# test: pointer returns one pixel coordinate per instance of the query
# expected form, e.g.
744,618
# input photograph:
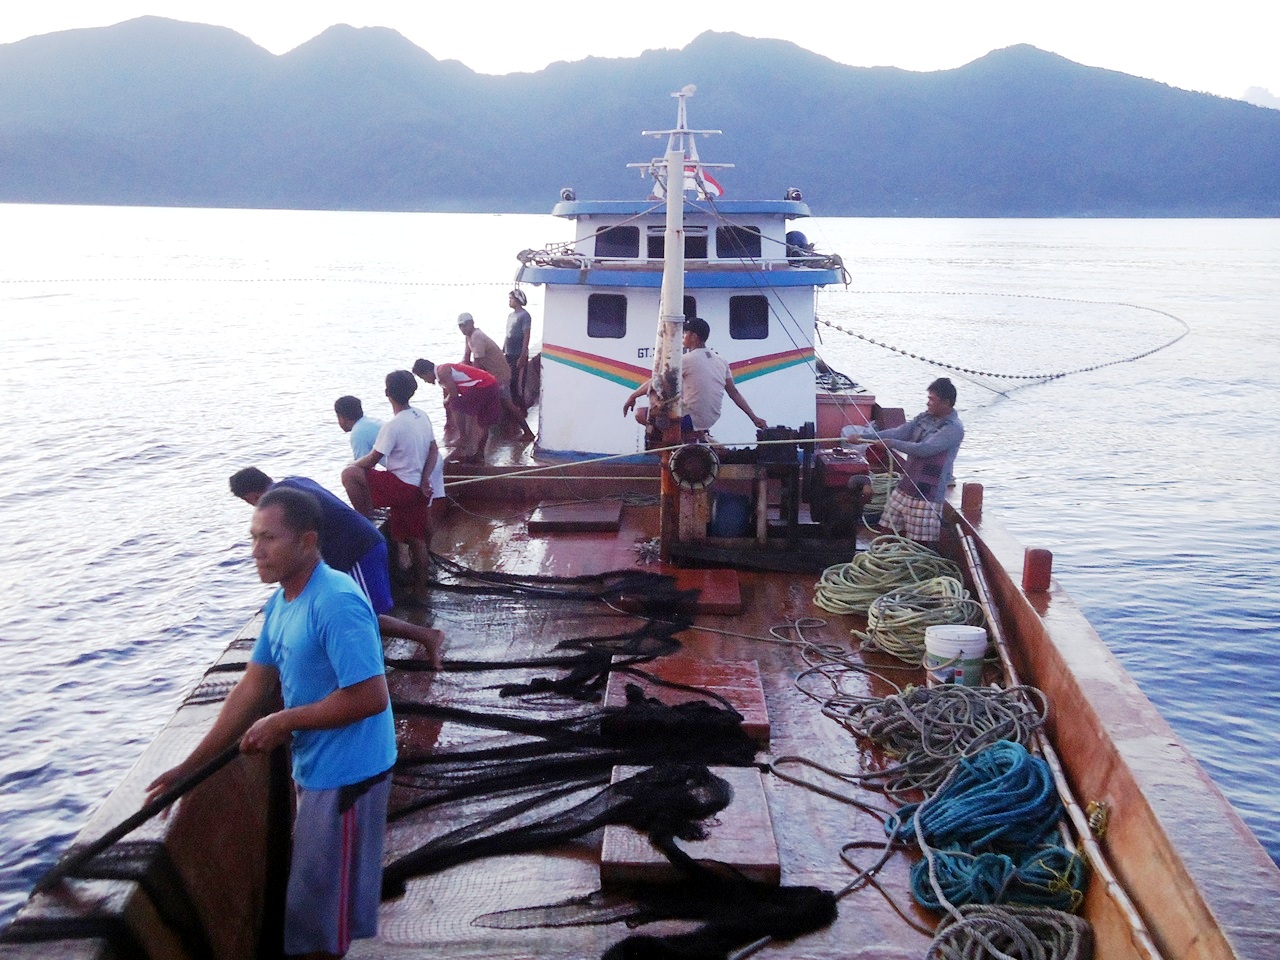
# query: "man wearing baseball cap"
483,352
705,378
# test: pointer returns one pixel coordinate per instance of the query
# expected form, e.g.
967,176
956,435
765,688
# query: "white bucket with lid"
953,653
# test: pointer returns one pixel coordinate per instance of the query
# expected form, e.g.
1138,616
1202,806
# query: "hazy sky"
1223,48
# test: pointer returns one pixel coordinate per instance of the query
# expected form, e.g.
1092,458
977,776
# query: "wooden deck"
201,882
435,917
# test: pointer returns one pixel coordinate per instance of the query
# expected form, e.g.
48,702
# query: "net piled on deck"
530,781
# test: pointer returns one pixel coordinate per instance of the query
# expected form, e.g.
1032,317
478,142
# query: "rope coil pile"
1003,795
882,485
929,729
1012,933
986,836
897,621
888,562
1051,876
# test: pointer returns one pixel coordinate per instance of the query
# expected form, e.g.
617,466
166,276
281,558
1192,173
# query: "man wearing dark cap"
705,378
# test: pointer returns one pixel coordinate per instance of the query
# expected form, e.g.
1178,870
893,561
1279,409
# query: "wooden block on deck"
718,590
577,518
738,681
741,835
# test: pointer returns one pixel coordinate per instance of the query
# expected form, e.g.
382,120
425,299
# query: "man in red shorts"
474,394
406,445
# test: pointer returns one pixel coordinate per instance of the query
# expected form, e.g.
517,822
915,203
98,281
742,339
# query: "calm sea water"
148,353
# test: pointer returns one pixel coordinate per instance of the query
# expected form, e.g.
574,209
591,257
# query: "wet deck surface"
438,914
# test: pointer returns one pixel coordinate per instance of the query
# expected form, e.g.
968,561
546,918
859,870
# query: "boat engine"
841,488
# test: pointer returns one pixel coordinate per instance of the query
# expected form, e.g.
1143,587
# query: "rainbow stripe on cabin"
627,374
759,366
630,375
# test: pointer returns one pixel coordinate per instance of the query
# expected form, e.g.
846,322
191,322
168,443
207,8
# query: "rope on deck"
1012,933
897,620
888,562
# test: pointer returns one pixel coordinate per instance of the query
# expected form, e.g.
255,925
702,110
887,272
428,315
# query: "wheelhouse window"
690,307
618,242
695,243
748,318
738,243
607,316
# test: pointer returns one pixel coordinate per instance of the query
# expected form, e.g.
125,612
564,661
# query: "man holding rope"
319,649
930,442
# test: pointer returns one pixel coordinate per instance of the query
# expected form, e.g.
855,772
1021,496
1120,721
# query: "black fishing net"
527,781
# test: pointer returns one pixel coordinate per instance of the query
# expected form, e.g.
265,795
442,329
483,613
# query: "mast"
678,170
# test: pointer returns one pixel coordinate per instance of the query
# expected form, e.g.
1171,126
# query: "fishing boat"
622,566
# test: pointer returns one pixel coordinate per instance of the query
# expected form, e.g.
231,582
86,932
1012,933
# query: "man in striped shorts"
930,442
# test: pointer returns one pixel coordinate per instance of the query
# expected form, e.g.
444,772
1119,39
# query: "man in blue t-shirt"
360,430
349,543
320,653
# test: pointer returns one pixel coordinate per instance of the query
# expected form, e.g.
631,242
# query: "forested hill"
156,111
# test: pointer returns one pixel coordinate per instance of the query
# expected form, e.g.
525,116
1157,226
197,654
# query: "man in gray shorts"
320,652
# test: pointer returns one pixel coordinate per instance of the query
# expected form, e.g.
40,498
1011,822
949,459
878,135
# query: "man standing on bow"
319,652
515,346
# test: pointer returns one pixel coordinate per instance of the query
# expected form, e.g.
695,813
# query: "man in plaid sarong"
930,442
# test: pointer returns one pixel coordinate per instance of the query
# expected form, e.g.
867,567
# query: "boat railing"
575,261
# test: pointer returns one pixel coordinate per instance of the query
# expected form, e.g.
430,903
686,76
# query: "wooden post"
971,500
1037,569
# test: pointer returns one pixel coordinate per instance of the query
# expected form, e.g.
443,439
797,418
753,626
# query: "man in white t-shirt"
705,379
406,445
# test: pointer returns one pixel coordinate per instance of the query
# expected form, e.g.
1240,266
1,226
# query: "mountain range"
161,112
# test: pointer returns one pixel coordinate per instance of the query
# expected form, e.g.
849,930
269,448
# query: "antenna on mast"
683,141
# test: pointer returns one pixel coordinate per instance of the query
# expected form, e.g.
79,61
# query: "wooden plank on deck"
576,518
738,681
740,835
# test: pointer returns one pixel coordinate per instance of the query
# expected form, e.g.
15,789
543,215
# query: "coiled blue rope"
986,836
1051,877
1001,795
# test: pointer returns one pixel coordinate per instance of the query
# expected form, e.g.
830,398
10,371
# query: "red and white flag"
709,186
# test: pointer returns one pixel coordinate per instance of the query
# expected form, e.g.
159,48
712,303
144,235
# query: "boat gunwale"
1115,745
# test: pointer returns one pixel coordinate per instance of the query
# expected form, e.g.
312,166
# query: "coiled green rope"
897,621
888,562
882,485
